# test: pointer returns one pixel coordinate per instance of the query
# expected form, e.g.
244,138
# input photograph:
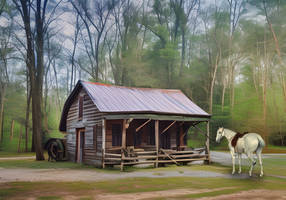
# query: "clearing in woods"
28,179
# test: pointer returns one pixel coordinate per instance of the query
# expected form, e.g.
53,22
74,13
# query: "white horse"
248,144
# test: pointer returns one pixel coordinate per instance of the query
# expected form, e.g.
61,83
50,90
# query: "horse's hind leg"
239,162
258,153
253,162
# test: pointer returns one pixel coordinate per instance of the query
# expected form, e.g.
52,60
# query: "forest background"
228,56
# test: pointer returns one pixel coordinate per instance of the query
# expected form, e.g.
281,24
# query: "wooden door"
79,154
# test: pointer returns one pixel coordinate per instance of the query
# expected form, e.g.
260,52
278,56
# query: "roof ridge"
128,87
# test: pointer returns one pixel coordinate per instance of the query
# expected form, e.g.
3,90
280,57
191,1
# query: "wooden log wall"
144,132
92,122
108,130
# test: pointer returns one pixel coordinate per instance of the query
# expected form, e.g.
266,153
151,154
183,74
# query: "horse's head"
219,134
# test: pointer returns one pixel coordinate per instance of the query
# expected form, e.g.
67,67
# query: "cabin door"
79,145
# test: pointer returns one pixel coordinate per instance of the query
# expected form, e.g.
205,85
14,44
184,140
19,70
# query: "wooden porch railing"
131,156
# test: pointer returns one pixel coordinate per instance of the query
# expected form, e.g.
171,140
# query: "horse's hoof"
261,175
233,173
239,172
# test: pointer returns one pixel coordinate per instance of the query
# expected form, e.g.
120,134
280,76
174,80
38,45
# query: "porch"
133,141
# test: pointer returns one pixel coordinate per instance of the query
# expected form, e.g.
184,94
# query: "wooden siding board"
90,117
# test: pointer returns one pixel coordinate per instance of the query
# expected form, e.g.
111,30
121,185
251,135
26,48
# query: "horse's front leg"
233,160
239,162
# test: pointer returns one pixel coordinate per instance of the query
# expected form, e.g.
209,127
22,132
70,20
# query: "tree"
95,16
6,50
35,58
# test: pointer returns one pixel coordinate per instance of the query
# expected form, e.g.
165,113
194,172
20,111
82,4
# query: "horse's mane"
230,130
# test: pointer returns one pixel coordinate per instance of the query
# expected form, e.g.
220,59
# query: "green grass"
276,147
58,190
4,154
31,163
43,190
272,166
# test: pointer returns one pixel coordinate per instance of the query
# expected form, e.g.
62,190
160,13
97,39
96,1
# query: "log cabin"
107,125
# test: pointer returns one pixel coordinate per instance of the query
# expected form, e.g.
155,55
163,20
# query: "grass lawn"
4,154
87,190
272,166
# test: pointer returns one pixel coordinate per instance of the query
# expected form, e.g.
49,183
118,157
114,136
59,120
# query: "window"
116,135
80,107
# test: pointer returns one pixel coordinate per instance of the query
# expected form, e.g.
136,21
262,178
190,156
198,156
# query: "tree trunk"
212,84
46,102
264,90
283,87
183,53
222,97
2,125
265,104
2,96
57,85
33,148
37,84
27,116
37,120
12,130
272,32
20,140
35,44
232,89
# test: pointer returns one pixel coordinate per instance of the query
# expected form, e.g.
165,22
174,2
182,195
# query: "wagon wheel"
53,150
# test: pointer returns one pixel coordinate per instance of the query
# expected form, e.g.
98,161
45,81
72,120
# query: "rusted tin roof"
110,98
125,100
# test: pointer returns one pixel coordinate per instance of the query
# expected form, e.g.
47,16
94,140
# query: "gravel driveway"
224,158
21,174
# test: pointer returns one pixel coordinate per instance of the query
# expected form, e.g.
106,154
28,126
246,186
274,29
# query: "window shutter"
80,107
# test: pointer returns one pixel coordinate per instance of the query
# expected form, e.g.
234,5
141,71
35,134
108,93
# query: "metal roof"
113,99
110,98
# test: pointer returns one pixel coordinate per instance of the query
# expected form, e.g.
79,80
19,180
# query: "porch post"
123,143
181,137
124,134
208,143
103,142
157,140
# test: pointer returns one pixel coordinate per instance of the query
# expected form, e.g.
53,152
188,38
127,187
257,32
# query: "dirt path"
224,158
259,194
251,194
21,174
156,194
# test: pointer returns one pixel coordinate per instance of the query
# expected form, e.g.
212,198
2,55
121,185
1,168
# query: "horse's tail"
261,142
